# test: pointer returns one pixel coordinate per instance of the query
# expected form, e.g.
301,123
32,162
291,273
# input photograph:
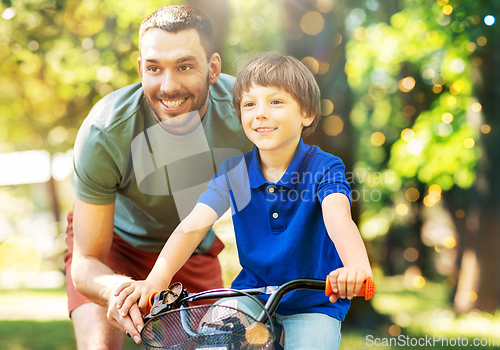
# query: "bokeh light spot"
460,213
451,100
394,330
402,209
418,282
326,106
409,110
410,254
489,20
447,9
323,67
485,129
476,107
311,63
471,47
412,194
481,41
472,296
449,242
104,74
429,201
333,125
312,23
457,87
406,84
435,190
324,5
437,89
447,118
8,13
407,134
377,138
469,142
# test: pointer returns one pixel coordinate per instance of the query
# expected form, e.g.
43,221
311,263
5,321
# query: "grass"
46,335
28,335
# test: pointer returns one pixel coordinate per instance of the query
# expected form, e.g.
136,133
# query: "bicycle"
172,324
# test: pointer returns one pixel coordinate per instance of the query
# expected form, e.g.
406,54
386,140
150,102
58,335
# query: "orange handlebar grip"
367,289
151,301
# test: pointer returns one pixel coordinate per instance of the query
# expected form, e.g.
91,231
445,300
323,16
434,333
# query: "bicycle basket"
206,327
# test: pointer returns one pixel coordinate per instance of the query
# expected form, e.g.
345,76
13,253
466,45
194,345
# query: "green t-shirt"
123,155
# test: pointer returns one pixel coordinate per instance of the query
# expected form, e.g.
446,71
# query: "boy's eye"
248,104
276,102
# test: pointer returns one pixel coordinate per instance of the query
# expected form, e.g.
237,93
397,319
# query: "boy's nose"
261,113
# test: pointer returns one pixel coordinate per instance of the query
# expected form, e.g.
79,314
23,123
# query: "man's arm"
350,246
93,235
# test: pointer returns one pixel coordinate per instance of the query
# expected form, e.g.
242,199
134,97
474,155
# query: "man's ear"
215,66
139,66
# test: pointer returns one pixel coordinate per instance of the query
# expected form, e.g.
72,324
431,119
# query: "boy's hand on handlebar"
346,282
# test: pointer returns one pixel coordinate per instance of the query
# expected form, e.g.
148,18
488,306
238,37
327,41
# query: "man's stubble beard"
180,123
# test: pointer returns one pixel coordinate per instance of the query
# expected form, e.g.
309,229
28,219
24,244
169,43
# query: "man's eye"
153,69
184,68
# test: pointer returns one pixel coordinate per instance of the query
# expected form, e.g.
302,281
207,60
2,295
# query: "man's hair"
283,72
174,18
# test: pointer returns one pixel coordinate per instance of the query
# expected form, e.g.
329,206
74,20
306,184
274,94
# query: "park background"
410,93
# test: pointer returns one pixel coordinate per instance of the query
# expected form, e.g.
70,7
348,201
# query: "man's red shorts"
201,271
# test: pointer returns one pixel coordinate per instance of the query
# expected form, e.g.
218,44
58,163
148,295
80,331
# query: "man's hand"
130,322
346,282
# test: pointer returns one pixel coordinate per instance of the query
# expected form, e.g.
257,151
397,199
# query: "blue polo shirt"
279,227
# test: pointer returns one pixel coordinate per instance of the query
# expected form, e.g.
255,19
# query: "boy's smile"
273,120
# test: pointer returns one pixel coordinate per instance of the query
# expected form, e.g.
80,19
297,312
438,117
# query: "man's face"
175,76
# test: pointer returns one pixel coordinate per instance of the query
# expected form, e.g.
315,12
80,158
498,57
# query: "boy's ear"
307,119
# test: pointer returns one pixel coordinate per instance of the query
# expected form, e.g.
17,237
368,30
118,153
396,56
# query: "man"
141,159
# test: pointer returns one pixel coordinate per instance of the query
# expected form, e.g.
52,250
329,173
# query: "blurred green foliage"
416,115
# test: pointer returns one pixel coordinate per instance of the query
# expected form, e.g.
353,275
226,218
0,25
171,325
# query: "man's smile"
172,104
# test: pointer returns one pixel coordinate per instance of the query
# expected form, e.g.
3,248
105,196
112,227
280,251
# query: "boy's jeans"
311,331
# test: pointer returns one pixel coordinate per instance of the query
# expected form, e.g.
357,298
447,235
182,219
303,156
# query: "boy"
290,205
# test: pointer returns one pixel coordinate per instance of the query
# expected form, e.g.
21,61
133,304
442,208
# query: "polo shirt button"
271,189
275,215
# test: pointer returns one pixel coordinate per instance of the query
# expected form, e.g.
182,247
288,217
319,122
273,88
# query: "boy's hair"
174,18
286,73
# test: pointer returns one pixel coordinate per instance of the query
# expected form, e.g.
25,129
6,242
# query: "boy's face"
272,119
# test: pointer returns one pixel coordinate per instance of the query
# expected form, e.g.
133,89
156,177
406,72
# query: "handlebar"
176,295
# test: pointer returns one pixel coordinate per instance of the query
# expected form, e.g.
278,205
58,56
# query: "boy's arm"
345,234
179,247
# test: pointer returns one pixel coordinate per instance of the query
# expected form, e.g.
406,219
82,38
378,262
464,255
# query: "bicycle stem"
276,296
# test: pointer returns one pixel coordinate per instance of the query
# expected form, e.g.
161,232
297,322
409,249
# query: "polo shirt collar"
293,173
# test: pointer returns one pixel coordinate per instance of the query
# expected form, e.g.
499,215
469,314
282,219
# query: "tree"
424,121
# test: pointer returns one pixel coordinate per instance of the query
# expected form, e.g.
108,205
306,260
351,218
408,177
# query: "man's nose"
170,83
